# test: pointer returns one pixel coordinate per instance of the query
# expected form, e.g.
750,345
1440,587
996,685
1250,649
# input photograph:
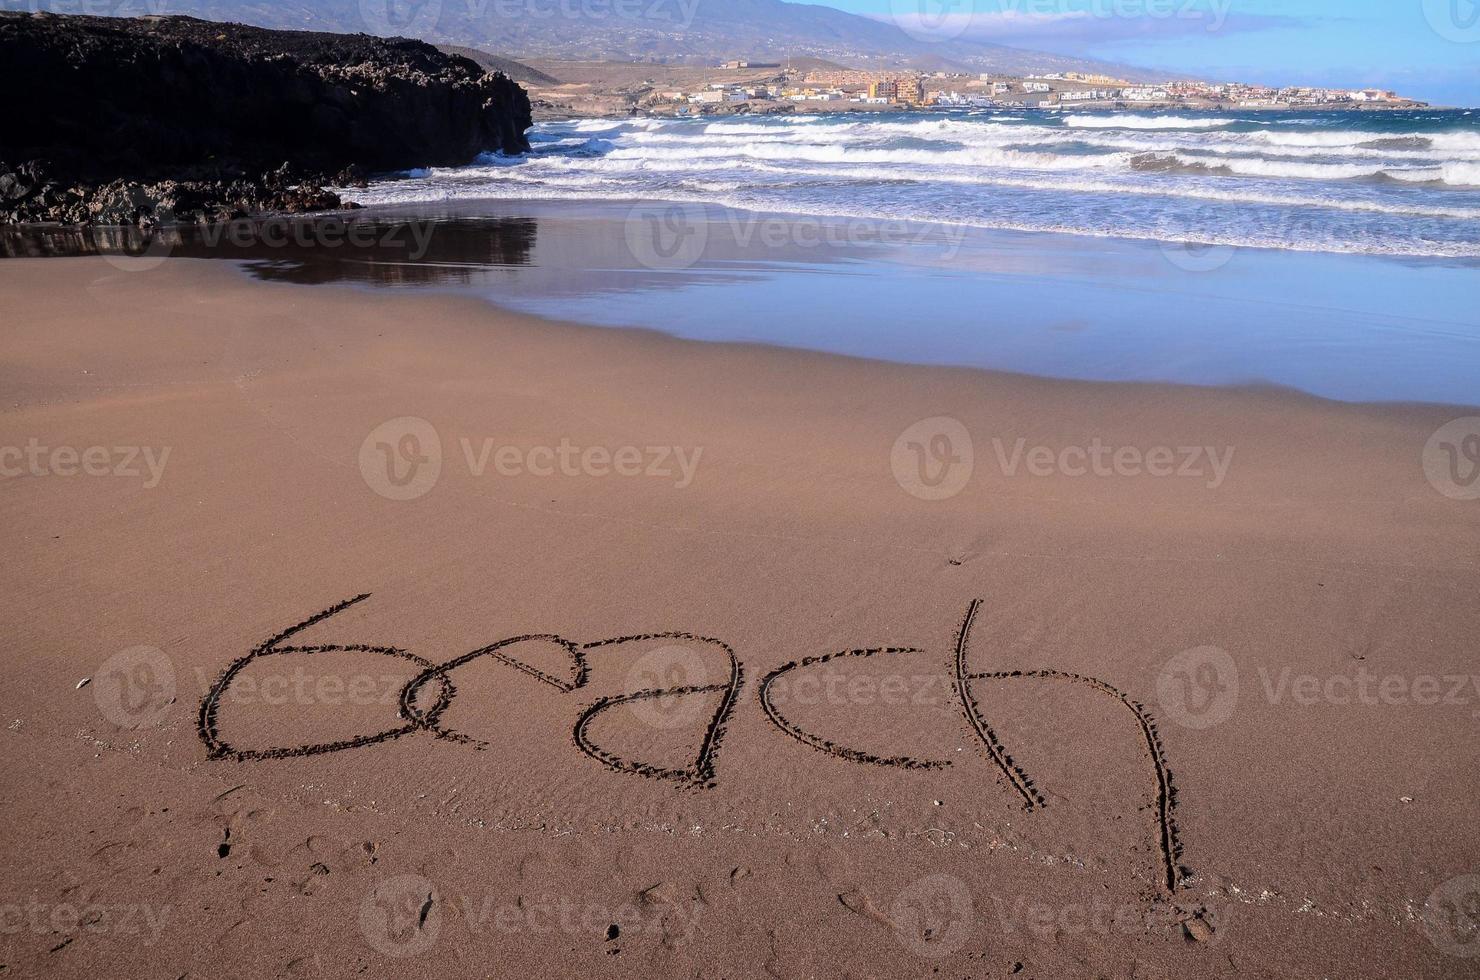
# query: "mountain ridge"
661,31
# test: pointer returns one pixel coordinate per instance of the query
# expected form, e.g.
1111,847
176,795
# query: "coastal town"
844,89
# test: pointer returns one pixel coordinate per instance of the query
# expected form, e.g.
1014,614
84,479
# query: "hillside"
516,70
667,31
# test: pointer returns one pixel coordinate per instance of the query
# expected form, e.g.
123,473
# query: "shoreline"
1212,318
354,212
241,271
373,209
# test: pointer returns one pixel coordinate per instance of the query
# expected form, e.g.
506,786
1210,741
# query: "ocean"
1378,183
1331,253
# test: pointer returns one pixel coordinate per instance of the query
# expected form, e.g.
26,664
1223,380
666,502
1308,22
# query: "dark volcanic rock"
171,118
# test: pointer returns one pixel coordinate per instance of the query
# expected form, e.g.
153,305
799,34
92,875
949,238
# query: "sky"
1426,49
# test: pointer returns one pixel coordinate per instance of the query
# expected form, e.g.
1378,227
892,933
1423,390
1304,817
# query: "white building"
1145,94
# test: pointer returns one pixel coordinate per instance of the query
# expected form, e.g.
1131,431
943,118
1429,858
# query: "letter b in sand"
1199,688
402,459
933,459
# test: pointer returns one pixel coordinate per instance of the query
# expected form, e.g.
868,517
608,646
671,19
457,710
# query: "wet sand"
1133,680
1356,328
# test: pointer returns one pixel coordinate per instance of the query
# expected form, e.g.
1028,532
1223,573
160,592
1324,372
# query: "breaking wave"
1145,122
1396,183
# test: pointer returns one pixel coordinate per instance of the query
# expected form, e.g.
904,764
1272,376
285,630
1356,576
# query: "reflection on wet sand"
1349,327
556,251
309,250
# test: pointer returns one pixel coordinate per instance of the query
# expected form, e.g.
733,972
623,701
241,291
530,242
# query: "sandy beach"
425,639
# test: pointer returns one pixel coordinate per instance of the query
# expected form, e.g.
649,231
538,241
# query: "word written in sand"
426,697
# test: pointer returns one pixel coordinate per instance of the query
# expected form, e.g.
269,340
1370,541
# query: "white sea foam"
1272,241
1201,191
1455,141
1339,138
1454,174
1145,122
954,134
838,153
1362,137
1381,185
1258,167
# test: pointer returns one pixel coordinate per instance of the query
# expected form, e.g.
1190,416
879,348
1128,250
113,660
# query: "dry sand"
722,833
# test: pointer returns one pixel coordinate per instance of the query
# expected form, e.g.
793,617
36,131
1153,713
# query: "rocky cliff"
172,118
